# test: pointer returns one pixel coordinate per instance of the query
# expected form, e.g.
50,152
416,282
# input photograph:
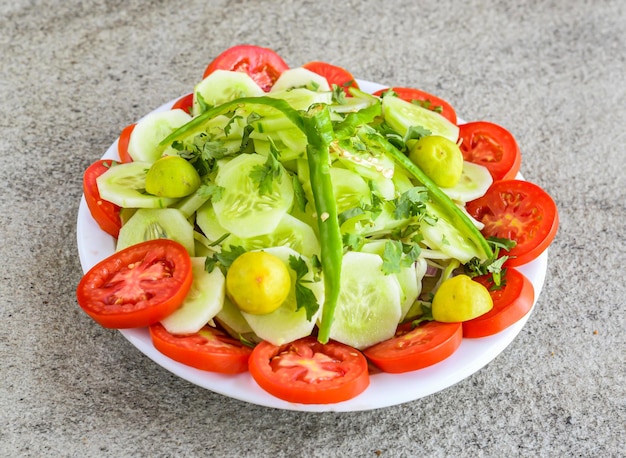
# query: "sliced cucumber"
151,223
474,182
243,210
203,301
302,98
444,237
350,189
290,232
223,86
401,115
300,77
369,305
408,279
143,145
286,324
207,222
190,204
231,319
125,186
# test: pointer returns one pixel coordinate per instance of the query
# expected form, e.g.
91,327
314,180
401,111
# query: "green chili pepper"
454,214
319,132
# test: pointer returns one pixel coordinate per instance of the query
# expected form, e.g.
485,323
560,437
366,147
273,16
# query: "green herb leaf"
304,296
264,175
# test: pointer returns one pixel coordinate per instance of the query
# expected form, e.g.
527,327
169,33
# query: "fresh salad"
284,222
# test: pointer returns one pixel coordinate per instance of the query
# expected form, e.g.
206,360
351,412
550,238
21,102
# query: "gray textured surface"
74,73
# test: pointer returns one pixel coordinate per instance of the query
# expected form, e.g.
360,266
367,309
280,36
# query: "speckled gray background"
74,73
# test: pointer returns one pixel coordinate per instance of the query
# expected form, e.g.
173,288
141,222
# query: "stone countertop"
74,73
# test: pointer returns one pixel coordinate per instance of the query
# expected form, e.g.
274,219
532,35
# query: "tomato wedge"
137,286
492,146
521,211
208,349
264,65
309,372
511,302
184,103
123,141
424,99
333,74
106,214
416,348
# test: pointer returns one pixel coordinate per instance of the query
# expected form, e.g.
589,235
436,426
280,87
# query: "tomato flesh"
334,75
416,348
208,349
184,103
512,301
262,64
105,213
122,143
521,211
492,146
424,99
309,372
137,286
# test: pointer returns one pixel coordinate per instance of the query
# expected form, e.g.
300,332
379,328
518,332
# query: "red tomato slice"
263,64
137,286
209,349
510,303
425,99
333,74
491,146
106,214
184,103
416,348
309,372
122,143
521,211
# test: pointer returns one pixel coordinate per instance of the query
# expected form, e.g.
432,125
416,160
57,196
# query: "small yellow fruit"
439,158
460,299
172,176
258,282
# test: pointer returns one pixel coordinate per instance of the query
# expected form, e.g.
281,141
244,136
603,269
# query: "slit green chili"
319,132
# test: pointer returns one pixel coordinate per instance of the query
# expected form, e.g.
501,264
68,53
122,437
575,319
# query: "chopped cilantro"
304,296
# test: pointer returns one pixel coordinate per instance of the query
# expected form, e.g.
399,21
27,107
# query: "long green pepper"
319,131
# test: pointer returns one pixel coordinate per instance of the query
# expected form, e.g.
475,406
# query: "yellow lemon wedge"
172,176
258,282
460,299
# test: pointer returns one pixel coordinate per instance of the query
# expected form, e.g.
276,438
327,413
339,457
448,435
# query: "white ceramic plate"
385,389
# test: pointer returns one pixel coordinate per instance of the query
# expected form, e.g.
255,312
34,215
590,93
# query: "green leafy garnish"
304,296
264,175
224,259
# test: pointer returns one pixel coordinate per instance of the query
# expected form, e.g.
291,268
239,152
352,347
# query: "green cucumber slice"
151,223
203,301
223,86
125,186
474,182
444,237
350,189
409,278
231,319
290,232
208,223
243,210
287,324
143,145
368,309
300,77
401,115
302,98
